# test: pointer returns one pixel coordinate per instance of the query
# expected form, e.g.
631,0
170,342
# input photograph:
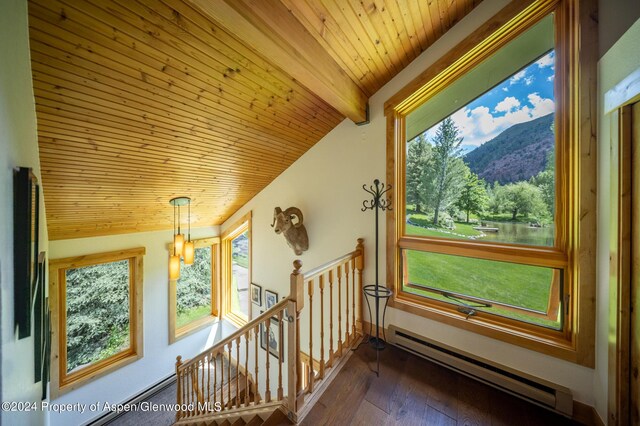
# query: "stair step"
277,418
255,421
238,422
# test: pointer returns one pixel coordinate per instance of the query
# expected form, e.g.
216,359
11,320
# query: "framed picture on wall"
256,294
39,330
26,200
271,337
270,298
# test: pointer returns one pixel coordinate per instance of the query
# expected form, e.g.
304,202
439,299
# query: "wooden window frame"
177,333
574,249
240,226
61,381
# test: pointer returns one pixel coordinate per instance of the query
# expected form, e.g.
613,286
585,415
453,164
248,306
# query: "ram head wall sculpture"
294,233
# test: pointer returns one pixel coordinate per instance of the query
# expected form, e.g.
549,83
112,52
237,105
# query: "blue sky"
527,95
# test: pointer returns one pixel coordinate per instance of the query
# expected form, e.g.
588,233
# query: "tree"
521,198
546,181
418,155
473,197
447,166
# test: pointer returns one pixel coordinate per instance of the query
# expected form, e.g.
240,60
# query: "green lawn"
241,259
192,314
497,281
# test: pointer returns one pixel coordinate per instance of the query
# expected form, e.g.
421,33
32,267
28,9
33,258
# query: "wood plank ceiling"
139,101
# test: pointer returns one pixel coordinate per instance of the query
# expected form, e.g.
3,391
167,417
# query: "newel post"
296,293
360,268
179,386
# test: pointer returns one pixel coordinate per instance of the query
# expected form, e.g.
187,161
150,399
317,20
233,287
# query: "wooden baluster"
311,374
296,294
255,396
246,369
353,299
339,311
209,377
179,386
360,267
238,401
321,372
347,338
229,399
280,356
215,378
189,388
203,382
185,378
267,392
330,318
221,378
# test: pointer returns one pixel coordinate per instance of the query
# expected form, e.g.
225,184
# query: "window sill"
548,342
237,320
192,328
93,372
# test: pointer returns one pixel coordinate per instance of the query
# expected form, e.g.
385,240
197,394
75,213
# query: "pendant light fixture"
189,249
179,245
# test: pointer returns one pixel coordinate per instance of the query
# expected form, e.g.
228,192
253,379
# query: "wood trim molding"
61,381
458,53
229,234
575,246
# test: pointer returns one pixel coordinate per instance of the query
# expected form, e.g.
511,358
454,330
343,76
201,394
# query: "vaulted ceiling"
139,101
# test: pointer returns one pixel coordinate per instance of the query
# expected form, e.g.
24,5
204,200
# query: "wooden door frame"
620,267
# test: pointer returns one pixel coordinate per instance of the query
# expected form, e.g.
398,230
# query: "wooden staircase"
260,375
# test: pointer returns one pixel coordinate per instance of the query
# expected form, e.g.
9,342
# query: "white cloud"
547,60
541,106
529,80
505,89
507,104
518,76
479,125
551,78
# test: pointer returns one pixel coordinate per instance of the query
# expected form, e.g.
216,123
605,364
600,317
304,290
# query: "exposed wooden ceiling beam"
272,30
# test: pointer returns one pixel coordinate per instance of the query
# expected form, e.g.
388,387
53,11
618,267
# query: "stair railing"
315,328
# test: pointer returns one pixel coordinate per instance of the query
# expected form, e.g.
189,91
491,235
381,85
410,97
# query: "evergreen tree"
418,155
447,166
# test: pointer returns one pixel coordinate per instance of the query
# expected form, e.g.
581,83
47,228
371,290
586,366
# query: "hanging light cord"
189,221
174,229
178,218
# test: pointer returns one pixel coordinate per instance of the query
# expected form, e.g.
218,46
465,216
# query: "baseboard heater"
533,389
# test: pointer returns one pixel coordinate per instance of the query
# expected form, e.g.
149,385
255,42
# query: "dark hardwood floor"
414,391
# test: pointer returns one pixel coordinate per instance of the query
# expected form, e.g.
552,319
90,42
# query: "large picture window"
489,174
97,312
193,297
236,261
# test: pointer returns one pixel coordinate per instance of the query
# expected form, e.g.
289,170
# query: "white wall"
159,357
18,148
326,183
620,60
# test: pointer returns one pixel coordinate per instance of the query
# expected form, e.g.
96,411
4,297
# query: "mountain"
516,154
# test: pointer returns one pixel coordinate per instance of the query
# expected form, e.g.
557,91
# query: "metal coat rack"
377,292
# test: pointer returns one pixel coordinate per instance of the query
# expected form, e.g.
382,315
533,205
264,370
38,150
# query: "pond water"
519,233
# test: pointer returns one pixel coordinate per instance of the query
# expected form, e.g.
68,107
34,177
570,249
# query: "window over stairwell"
96,305
193,298
492,185
236,270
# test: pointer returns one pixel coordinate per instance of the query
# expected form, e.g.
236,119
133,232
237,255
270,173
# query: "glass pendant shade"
178,244
174,267
189,252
